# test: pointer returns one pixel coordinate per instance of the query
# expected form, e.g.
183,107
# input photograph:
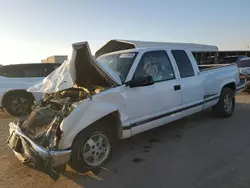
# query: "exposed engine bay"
43,124
35,139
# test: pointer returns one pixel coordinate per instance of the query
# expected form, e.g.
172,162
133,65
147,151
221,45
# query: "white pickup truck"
119,94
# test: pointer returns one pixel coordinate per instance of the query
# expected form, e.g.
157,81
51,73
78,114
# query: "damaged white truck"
128,88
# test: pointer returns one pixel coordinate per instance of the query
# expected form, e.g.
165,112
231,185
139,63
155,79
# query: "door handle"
177,87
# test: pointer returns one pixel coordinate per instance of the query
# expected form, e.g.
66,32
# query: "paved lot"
201,151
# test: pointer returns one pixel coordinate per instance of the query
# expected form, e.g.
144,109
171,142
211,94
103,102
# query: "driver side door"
153,105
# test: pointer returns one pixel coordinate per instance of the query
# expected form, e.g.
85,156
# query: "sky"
31,30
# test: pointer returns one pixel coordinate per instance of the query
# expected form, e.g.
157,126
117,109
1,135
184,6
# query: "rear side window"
27,71
50,68
14,71
39,70
33,71
183,62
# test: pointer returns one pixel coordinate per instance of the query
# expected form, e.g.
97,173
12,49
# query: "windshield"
244,63
120,63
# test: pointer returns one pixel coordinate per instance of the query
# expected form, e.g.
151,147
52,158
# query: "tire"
86,144
226,104
18,103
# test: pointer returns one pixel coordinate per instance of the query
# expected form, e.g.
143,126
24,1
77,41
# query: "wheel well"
112,120
16,92
231,86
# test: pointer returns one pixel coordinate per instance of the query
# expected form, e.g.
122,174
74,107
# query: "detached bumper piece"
29,152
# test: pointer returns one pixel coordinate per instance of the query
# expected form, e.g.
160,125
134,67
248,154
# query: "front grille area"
38,121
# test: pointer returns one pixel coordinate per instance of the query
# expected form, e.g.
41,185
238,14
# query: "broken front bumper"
28,151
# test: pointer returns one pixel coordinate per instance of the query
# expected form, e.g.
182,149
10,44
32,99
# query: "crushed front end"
35,139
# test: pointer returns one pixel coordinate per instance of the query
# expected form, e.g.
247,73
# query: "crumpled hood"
58,80
81,69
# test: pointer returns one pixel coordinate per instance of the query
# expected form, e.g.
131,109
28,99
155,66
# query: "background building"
55,59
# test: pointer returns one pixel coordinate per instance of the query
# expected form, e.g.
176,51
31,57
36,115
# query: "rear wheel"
92,148
226,104
18,103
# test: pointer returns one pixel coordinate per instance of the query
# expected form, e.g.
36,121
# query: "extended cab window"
183,62
155,64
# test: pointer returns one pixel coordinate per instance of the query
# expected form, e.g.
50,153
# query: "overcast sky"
31,30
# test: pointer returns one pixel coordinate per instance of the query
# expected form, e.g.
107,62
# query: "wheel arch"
219,108
80,119
231,85
112,118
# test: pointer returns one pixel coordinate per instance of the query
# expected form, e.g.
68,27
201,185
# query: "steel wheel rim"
228,103
96,149
20,105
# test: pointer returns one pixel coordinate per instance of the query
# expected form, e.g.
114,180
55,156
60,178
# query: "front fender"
84,115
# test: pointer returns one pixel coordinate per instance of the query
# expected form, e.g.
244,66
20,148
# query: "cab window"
183,62
155,64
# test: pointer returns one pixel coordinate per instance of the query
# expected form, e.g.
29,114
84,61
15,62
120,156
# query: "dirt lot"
200,151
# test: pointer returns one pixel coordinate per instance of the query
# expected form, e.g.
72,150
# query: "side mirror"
141,81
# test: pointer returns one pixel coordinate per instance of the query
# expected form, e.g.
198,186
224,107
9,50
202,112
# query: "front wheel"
226,104
91,149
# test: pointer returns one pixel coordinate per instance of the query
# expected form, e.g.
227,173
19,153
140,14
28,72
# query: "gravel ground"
199,151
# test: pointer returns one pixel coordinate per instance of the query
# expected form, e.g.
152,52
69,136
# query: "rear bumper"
27,150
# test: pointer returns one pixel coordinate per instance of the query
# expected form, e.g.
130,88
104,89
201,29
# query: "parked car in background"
15,80
126,92
233,59
244,69
244,64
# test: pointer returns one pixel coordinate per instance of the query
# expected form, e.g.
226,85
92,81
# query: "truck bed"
211,66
